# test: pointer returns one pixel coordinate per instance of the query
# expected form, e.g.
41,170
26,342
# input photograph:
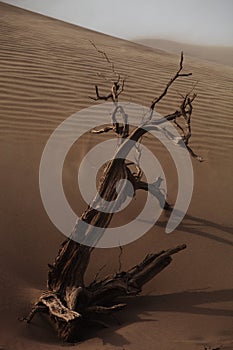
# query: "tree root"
99,298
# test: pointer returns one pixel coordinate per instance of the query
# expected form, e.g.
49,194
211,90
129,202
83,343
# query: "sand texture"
218,54
48,69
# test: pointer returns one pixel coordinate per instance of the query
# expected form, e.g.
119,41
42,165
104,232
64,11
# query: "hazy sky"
195,21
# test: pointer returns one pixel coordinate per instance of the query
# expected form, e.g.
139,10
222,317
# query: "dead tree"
68,301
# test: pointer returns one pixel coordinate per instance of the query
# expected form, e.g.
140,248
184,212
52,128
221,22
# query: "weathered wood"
131,281
70,313
70,303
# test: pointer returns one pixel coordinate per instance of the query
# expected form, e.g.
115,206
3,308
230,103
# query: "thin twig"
176,76
105,56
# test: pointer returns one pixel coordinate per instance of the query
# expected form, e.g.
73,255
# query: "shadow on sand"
188,302
140,309
196,226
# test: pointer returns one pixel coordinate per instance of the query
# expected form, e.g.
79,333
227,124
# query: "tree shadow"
196,226
139,309
186,302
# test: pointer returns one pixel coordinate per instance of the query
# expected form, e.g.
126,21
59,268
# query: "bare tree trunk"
68,301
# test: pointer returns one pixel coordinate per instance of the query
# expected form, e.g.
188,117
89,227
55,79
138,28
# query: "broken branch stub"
68,301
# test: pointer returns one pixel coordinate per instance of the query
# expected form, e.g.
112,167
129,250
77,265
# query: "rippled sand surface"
48,69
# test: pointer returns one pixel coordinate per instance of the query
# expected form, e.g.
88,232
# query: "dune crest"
218,54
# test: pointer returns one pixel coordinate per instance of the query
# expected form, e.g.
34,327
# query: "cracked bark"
68,301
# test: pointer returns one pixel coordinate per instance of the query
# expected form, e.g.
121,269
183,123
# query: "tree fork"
68,302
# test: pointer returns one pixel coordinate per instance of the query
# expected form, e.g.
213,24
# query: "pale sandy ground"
47,71
222,55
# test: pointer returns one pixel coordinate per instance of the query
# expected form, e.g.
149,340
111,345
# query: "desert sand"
47,71
218,54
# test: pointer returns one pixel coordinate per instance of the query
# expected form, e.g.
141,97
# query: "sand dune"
48,69
218,54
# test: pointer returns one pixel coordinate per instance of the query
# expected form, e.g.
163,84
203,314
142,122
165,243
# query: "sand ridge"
219,54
